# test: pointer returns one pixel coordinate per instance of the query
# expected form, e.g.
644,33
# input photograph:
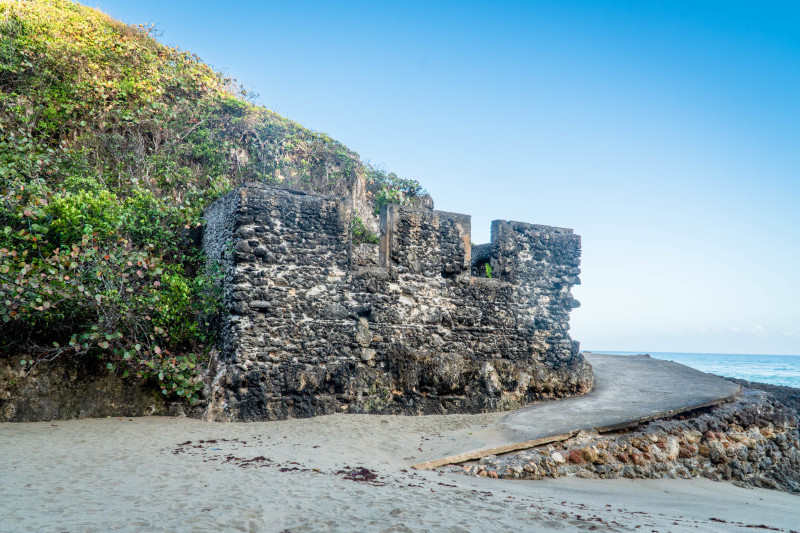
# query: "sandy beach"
330,473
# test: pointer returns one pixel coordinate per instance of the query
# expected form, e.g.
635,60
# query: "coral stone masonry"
317,325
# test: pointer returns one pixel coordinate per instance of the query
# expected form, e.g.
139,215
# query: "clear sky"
667,134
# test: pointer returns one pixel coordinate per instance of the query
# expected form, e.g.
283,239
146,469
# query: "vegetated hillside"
111,146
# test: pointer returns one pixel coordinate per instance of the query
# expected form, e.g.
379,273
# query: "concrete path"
628,390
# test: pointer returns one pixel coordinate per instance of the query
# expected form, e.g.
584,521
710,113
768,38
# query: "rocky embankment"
788,396
752,441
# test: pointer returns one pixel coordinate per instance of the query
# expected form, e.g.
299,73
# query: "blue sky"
665,133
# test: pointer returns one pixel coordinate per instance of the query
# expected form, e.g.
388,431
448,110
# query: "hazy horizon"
664,133
687,353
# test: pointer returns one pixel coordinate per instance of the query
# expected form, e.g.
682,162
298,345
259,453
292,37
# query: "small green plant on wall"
361,234
488,270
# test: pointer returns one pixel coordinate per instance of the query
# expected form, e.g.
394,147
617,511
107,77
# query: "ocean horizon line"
642,352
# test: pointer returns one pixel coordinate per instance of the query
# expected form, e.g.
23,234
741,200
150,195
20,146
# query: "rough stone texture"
788,396
366,255
753,441
314,328
75,388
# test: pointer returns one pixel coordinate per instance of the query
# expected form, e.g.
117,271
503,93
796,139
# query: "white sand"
123,474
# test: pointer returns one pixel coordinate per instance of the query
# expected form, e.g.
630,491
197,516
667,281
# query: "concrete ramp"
628,391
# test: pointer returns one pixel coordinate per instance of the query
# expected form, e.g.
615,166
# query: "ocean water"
774,369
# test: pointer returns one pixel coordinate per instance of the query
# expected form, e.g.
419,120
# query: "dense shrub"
111,145
388,188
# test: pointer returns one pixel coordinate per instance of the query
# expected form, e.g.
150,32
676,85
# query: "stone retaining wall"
314,327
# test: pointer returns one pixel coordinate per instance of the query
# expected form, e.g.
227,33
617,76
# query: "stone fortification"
317,325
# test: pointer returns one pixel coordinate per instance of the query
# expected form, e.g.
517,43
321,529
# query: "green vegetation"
111,146
387,188
488,270
360,233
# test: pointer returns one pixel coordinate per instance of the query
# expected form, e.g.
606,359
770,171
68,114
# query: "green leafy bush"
111,146
360,233
388,188
72,215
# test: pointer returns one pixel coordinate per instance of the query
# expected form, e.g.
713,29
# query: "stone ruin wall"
317,325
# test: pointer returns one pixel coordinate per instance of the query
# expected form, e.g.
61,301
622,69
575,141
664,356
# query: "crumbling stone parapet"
317,325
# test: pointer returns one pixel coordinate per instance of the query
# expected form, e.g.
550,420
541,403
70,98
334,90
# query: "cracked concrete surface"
628,391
